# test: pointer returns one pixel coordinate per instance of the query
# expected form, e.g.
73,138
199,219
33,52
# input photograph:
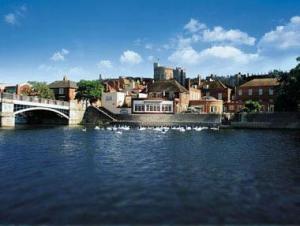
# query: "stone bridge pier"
7,117
76,112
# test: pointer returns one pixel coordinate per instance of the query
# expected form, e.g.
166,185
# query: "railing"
34,99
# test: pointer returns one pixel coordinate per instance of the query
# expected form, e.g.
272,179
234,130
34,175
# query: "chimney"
199,81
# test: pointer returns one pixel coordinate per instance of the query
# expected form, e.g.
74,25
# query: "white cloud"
283,38
219,34
194,26
130,57
60,55
65,51
229,53
186,56
76,71
189,56
14,17
150,58
295,20
105,64
148,46
10,19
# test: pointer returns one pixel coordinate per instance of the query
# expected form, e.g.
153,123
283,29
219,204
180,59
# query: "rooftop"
65,83
258,82
214,84
167,86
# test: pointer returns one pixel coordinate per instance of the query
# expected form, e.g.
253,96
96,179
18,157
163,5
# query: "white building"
113,101
152,106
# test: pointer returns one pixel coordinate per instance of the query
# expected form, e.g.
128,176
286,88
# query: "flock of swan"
162,129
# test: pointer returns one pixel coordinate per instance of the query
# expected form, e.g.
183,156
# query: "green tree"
289,90
42,90
252,106
88,89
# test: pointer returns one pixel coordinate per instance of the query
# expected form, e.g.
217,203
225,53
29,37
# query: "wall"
175,119
276,120
113,101
76,113
195,94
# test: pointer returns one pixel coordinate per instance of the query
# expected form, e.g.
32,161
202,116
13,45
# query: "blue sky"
43,40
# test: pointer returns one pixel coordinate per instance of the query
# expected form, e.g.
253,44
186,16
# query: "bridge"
12,105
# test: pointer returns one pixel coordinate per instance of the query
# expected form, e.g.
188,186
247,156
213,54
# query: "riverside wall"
171,120
93,116
275,120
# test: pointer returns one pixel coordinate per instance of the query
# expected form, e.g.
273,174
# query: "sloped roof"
167,86
258,82
65,83
214,84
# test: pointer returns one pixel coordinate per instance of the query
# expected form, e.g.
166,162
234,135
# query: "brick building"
207,104
262,90
217,89
64,90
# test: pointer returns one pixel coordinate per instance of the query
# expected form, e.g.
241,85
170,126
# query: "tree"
88,89
289,90
252,106
42,90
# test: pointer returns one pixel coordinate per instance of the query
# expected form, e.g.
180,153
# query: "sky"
45,40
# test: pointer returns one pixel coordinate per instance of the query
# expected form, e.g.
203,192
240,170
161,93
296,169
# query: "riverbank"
275,120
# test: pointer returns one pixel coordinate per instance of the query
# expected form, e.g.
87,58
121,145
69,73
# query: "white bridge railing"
33,99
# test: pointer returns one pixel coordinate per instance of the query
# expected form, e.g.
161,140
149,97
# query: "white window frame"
260,91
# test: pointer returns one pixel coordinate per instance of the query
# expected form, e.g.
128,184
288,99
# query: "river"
63,175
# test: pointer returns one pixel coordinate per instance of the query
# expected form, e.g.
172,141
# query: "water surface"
63,175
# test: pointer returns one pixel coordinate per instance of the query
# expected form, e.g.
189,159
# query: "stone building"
168,73
162,73
180,75
170,90
64,89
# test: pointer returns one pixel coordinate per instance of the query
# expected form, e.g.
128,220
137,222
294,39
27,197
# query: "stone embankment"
275,120
102,116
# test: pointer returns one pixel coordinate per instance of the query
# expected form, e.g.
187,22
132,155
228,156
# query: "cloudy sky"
43,40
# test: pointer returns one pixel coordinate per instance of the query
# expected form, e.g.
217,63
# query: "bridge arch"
42,109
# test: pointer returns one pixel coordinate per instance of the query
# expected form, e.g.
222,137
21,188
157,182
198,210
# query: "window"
148,107
213,109
250,92
240,92
166,108
260,92
220,96
108,98
139,108
61,91
271,92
